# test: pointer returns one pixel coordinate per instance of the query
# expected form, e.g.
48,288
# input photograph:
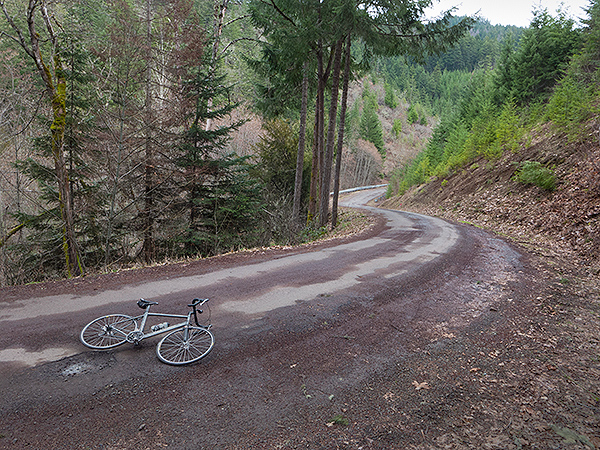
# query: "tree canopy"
313,31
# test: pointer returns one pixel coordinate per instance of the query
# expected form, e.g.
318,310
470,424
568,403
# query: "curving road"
292,325
250,289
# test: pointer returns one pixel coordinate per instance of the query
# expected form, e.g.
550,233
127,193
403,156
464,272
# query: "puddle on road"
30,358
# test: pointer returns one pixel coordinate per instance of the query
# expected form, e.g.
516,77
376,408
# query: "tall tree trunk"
148,212
317,162
301,145
220,8
325,178
340,141
53,76
314,172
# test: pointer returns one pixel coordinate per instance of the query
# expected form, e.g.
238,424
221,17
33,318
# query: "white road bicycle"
185,342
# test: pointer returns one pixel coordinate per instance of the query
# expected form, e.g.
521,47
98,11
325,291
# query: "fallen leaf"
418,386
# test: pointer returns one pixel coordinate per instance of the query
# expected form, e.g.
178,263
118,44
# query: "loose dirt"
489,348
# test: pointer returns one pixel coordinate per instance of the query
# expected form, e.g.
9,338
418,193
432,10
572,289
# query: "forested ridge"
143,131
519,154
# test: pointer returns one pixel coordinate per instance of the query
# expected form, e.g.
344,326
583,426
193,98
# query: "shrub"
533,172
397,127
412,115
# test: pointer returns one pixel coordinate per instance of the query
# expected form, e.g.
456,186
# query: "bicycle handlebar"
198,302
195,303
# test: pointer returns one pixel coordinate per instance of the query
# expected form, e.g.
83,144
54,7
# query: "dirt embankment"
563,223
561,228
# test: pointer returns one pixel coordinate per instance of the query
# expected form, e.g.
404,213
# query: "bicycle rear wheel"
185,346
107,331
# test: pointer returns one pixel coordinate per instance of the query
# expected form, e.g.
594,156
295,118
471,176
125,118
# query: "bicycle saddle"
145,303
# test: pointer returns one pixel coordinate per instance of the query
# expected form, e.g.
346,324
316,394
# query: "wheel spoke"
107,331
175,349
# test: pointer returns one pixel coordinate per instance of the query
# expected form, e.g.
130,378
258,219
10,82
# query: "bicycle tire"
174,349
107,331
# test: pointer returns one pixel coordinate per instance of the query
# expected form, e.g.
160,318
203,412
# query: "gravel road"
336,345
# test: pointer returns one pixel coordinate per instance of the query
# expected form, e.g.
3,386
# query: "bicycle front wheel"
107,331
185,346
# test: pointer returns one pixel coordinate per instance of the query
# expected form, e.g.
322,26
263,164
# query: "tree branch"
282,14
20,39
235,41
236,19
10,233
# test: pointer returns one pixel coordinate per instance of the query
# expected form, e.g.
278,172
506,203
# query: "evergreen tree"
543,55
216,200
390,96
370,126
44,46
317,31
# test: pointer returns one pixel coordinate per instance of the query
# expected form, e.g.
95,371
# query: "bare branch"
236,19
282,14
20,39
48,22
235,41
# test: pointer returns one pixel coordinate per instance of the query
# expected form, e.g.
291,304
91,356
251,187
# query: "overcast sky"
511,12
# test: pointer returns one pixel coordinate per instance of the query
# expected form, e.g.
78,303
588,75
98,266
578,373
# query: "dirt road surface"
411,335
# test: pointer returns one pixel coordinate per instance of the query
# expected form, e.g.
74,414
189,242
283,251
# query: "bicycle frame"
147,313
138,334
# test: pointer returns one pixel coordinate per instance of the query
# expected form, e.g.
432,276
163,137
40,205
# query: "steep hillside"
362,164
412,138
564,222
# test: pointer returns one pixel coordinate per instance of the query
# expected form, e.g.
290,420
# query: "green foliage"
397,127
477,129
277,151
588,61
416,114
533,172
275,167
530,72
223,209
441,82
339,419
390,96
412,116
41,242
572,103
312,233
370,126
574,100
353,120
508,128
216,200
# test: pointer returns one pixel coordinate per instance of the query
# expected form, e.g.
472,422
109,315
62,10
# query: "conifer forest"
138,132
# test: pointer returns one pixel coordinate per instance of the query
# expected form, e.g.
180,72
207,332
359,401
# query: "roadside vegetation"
149,132
545,76
137,132
519,156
